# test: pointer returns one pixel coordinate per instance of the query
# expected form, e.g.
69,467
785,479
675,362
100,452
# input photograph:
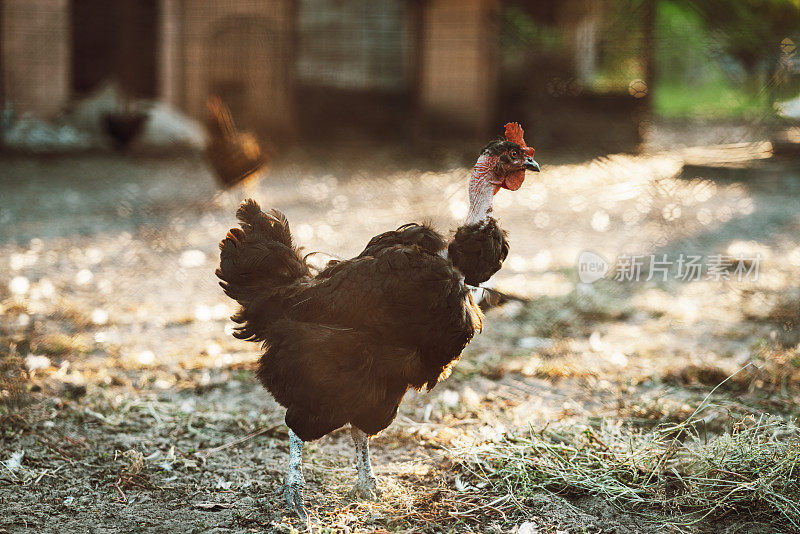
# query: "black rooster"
345,345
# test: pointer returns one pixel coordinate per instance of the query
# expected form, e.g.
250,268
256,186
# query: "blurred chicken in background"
233,155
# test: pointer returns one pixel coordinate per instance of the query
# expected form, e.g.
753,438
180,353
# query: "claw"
293,494
366,489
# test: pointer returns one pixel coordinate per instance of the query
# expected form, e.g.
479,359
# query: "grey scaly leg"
293,489
367,486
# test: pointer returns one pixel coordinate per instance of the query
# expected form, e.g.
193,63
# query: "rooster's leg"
293,489
367,486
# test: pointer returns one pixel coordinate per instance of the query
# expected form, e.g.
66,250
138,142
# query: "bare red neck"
481,190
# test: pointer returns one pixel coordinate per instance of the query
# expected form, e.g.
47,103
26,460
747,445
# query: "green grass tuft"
674,474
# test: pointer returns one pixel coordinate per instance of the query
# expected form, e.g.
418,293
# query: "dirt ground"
137,411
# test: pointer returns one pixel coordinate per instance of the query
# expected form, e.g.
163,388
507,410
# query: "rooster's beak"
531,165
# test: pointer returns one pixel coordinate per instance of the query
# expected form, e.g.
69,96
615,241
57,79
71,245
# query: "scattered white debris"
471,399
461,487
204,379
450,398
99,316
742,356
105,286
19,285
94,255
83,277
23,320
304,232
542,260
18,261
220,311
213,349
160,383
596,342
46,288
493,433
146,357
600,221
617,358
224,360
537,343
202,312
35,361
512,310
15,462
188,406
527,528
749,250
223,484
517,263
192,258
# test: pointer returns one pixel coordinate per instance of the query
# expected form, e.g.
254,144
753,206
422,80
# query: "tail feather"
272,225
259,266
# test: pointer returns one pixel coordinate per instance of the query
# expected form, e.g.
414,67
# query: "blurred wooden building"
282,64
258,55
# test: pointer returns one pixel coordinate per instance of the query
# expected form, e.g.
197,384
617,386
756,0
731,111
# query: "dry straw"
674,474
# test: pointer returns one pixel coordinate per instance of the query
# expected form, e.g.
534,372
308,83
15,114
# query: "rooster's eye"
514,153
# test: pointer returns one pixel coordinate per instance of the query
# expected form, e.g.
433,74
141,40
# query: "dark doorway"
115,40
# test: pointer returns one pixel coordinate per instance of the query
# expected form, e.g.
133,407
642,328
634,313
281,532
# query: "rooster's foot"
293,495
293,488
367,489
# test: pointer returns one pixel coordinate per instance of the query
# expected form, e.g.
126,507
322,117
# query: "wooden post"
649,8
170,53
459,68
586,41
415,66
37,83
2,61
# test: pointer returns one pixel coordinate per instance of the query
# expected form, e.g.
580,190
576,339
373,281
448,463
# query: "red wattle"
514,180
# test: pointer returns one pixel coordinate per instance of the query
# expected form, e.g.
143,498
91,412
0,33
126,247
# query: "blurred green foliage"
723,58
717,99
695,75
749,30
713,58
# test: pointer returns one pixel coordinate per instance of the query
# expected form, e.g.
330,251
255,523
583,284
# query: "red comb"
514,134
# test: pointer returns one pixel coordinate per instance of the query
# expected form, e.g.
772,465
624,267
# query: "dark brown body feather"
345,345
